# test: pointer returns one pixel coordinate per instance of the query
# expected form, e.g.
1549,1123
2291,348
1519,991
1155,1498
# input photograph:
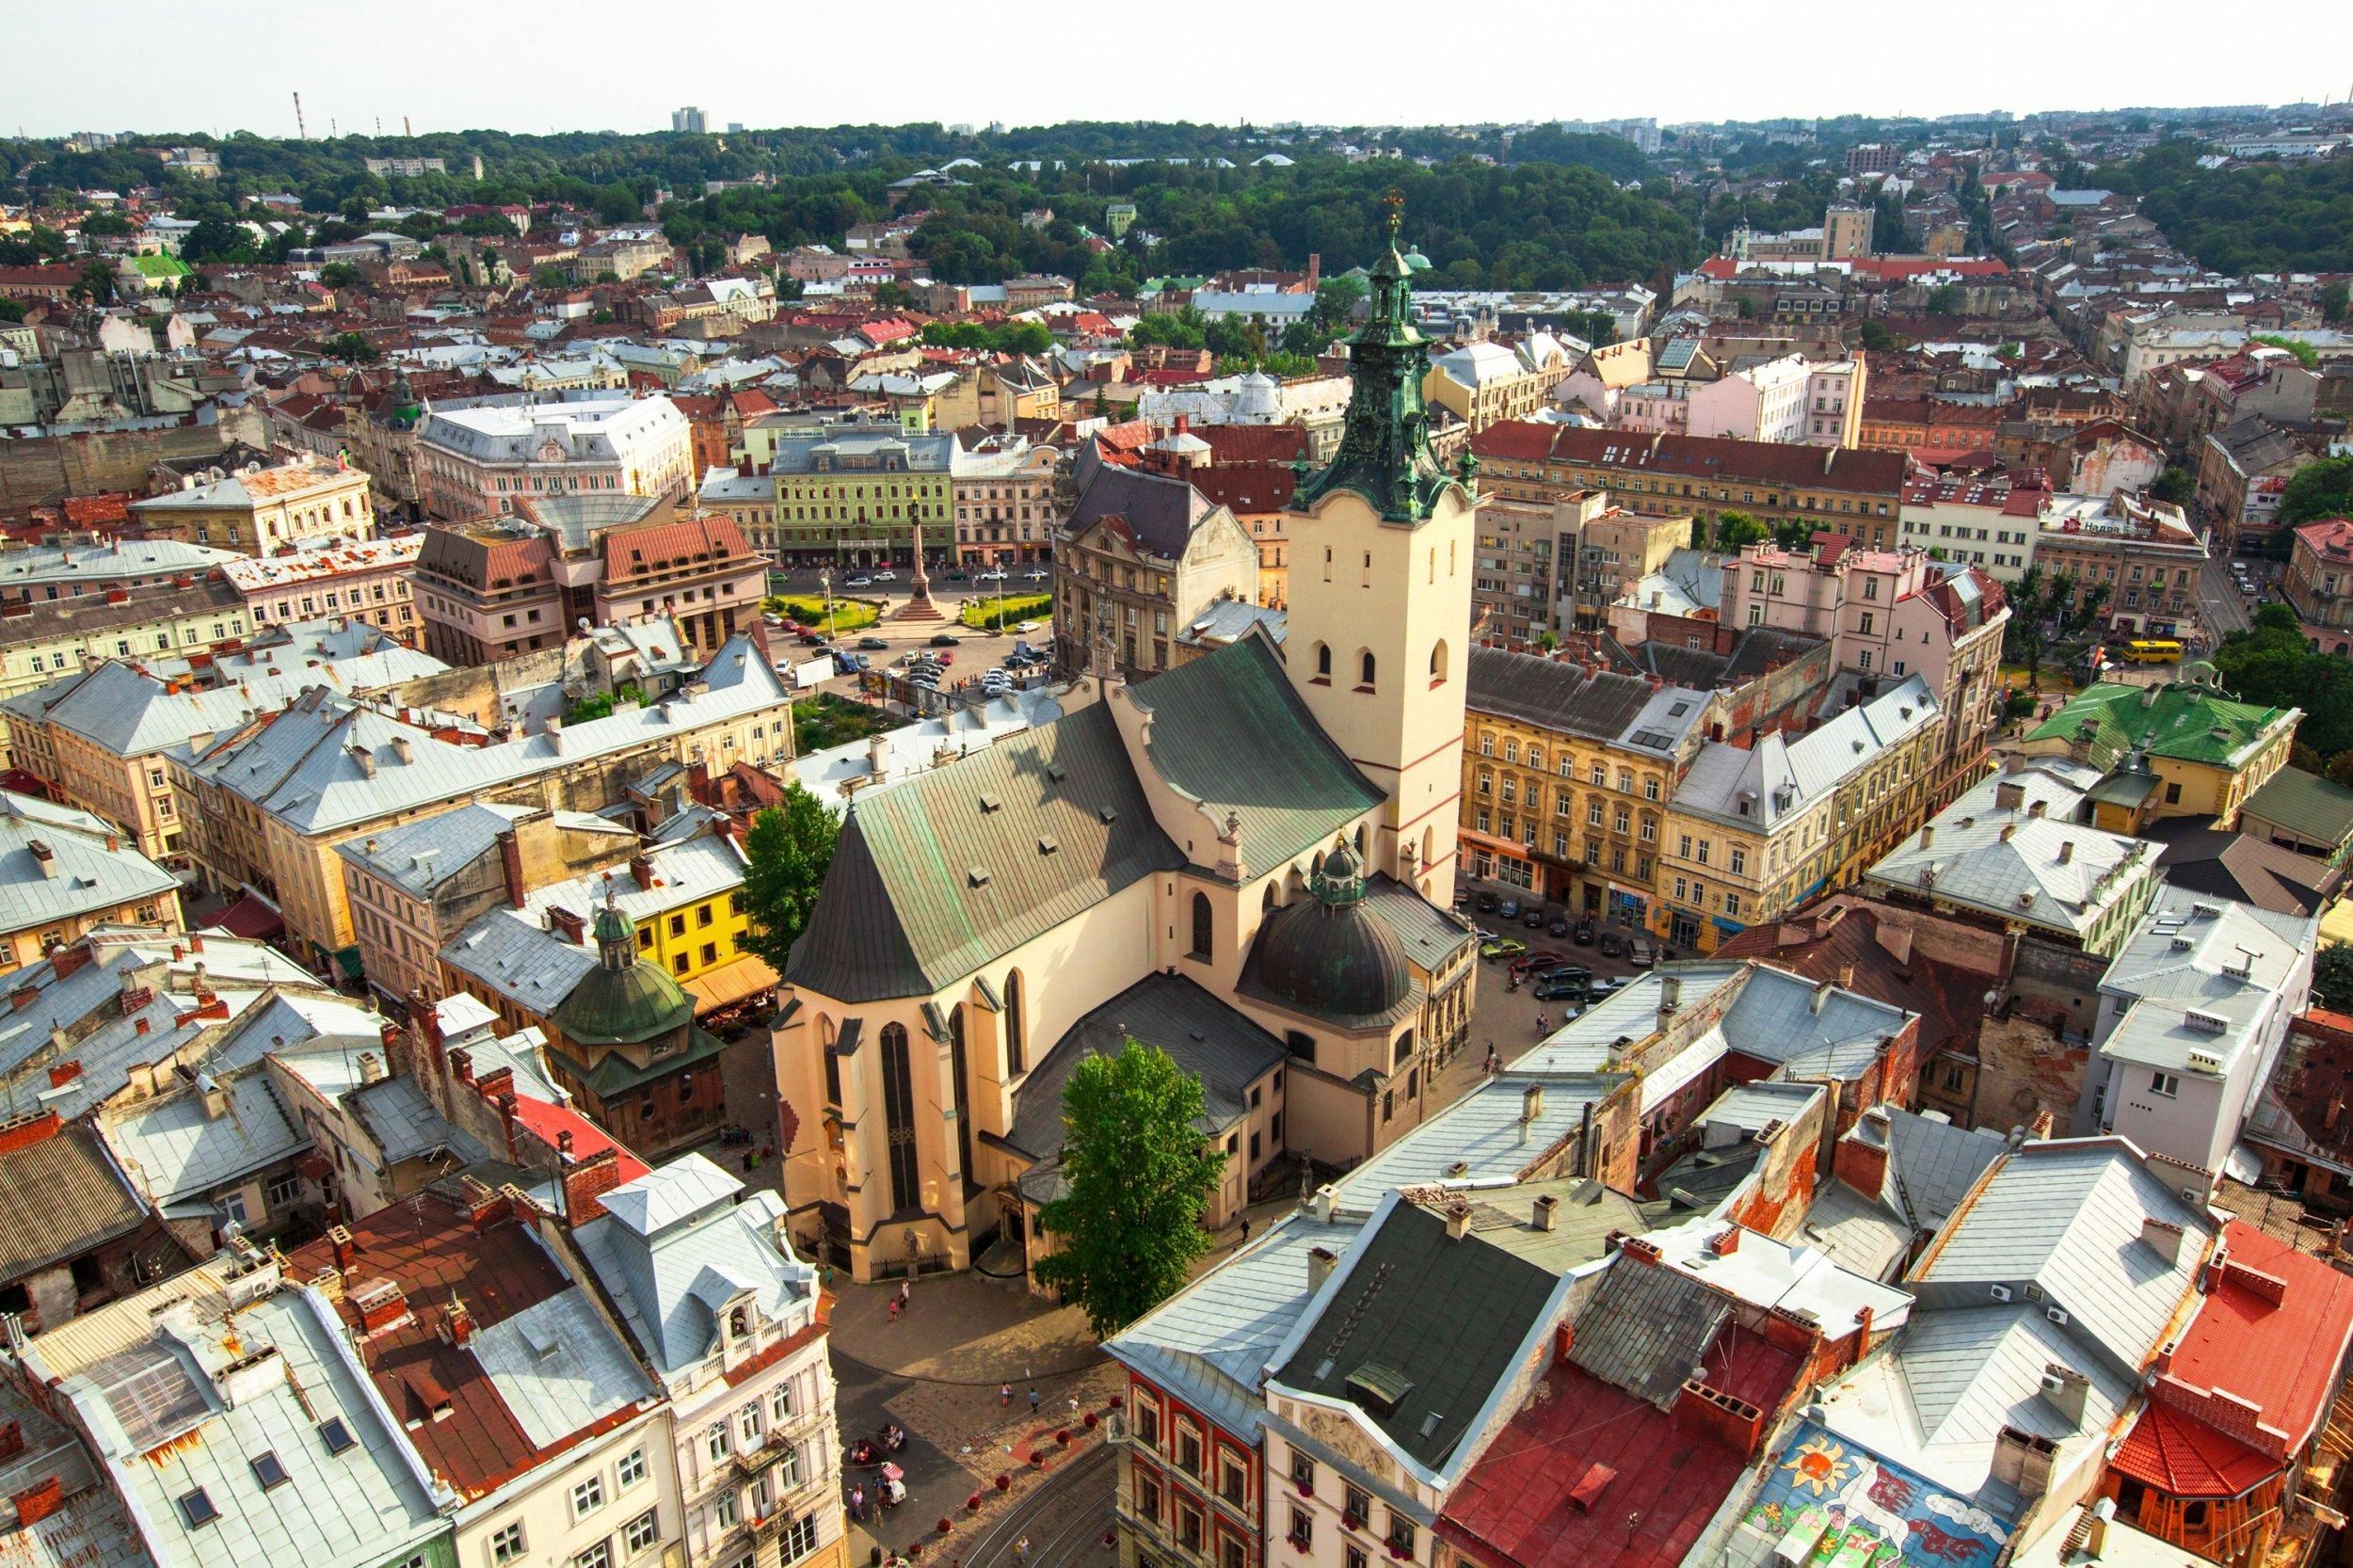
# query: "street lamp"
825,580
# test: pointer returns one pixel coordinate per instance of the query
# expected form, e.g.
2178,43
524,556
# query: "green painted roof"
2190,724
624,1005
2313,808
617,1075
160,267
1231,729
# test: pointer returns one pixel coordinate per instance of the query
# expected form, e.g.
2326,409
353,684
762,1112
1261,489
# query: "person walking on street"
1005,1395
894,1309
1245,1227
1033,1400
1021,1550
906,1295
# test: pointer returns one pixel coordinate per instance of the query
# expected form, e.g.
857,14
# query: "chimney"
11,1440
346,1250
46,856
1457,1220
458,1323
1726,1241
2063,1390
366,759
1821,995
216,1098
1670,998
38,1502
588,1181
2162,1239
1928,834
461,1064
1533,1103
2009,828
641,869
2096,1527
1319,1264
2010,796
371,1067
2066,850
400,749
554,729
512,858
1545,1210
487,1206
25,1131
2036,808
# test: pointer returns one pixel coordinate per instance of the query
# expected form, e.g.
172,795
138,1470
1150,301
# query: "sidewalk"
963,1328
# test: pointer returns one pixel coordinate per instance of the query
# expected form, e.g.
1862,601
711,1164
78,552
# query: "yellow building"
1485,383
45,639
267,512
65,871
1567,776
1751,833
2200,753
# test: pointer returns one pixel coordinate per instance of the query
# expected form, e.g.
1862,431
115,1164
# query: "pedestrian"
1021,1550
1033,1400
857,1503
1539,1023
894,1309
1245,1227
906,1294
1005,1395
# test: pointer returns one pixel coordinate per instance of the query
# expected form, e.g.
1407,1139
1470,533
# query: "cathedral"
1244,861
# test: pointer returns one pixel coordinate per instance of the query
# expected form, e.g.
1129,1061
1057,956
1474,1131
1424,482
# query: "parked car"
859,583
995,575
812,639
1534,918
1501,947
1602,987
1558,927
1023,627
1612,944
885,577
1461,898
1558,972
1033,576
1486,903
942,639
1560,991
1639,952
873,645
1532,963
1509,909
956,577
1583,935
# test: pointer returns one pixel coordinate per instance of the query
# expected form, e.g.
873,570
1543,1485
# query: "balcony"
1160,1535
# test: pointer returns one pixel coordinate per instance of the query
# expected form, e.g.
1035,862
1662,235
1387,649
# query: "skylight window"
268,1469
197,1507
336,1436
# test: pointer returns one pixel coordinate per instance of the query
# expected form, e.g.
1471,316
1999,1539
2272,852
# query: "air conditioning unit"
2001,1292
2057,1315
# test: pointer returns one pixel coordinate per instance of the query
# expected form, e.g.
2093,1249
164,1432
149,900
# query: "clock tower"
1380,591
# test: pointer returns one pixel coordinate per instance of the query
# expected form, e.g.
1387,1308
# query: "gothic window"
1364,671
1203,927
1323,663
1013,1022
964,1097
899,1119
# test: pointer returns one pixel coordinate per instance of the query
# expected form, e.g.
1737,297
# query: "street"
2220,604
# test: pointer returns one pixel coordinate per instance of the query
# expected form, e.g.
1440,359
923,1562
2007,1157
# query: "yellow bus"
2152,651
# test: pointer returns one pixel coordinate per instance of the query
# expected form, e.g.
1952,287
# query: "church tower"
1381,592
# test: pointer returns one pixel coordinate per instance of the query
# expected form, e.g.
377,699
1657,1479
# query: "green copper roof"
1384,452
2187,723
624,1000
614,1074
2313,807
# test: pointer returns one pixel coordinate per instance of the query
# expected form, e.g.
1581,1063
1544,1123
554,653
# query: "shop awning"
252,916
730,984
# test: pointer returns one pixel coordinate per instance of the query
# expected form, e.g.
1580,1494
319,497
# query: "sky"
623,64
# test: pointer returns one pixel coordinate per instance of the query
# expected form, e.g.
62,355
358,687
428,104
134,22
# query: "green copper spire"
1384,450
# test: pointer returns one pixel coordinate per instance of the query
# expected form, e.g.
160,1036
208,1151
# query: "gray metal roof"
418,856
178,1154
1482,1139
83,875
1931,1165
2068,1218
1645,1328
2205,978
1558,695
2037,866
1858,1233
1758,786
1227,1051
557,1369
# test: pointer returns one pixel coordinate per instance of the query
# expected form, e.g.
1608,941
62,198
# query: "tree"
1794,533
1734,529
352,349
2037,604
1336,299
11,310
2176,485
217,239
1943,300
1140,1172
2304,353
618,203
787,851
1875,335
2322,489
2332,977
892,295
96,284
339,275
2271,663
2334,302
2340,769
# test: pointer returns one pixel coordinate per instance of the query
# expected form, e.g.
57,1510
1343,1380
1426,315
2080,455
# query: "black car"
812,639
1559,926
1534,919
1560,990
873,643
1577,972
1486,903
1583,935
941,639
1612,944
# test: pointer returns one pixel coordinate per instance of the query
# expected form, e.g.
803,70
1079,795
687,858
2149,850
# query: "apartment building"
1753,832
63,872
265,512
1566,772
499,586
1141,556
1002,489
267,803
1851,492
1613,548
484,461
865,495
2319,582
367,580
1991,522
2143,551
1486,383
2243,474
2193,751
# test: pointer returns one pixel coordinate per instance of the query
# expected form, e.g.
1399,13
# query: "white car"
859,583
885,577
995,575
1033,576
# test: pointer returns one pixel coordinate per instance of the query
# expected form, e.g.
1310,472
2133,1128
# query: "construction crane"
301,133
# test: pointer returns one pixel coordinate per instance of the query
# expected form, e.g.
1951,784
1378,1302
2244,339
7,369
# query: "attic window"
1046,846
197,1507
336,1436
1378,1388
1057,773
268,1469
1108,815
990,803
976,876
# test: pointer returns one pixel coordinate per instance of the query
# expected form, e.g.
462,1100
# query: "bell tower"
1381,590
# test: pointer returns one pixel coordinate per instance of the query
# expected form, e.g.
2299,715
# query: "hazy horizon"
432,62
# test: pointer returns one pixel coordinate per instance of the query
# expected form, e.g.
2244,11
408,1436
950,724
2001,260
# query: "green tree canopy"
1734,529
787,851
2332,977
1141,1174
2271,663
2322,489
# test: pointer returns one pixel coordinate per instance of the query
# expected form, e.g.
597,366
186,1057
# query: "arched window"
1364,669
1013,1022
899,1119
738,1323
964,1097
1204,928
1360,843
1266,900
1323,663
1438,661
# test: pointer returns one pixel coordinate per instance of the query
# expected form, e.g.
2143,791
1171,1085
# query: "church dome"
1332,956
624,1000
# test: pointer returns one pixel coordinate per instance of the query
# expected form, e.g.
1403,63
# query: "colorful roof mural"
1830,1503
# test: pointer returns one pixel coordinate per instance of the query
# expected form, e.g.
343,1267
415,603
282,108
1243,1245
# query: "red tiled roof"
648,548
1713,458
1245,489
429,1248
1254,443
2183,1457
2333,536
1559,1486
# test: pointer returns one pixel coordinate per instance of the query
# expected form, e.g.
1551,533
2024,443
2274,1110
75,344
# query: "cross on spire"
1395,201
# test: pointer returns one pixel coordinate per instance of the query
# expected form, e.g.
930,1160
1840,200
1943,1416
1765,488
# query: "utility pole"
404,127
301,132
